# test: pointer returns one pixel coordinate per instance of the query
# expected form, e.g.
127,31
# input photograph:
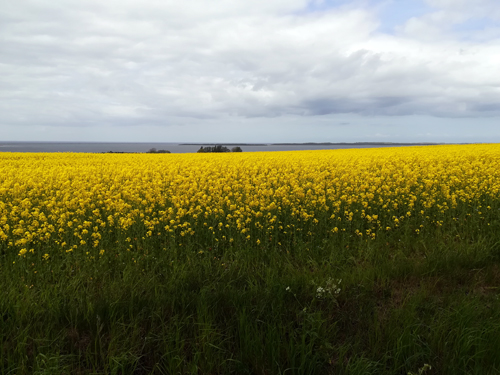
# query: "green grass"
403,303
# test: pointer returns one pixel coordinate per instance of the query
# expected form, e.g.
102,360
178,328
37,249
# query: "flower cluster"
332,289
88,203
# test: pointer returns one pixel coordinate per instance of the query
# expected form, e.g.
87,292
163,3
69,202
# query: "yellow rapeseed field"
61,203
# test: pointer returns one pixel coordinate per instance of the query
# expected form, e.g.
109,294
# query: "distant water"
96,147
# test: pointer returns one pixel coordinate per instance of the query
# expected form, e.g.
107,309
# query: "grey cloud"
493,108
131,63
366,106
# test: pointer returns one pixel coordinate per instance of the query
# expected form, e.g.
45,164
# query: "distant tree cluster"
155,151
219,148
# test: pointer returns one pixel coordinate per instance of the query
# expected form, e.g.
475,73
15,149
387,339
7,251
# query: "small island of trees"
155,151
219,148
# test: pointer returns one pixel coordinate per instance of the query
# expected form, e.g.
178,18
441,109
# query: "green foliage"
360,307
155,151
216,149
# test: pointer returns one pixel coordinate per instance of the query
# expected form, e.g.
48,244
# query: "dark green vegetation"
218,149
404,301
155,151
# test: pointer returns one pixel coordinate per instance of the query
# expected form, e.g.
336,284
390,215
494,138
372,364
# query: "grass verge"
360,307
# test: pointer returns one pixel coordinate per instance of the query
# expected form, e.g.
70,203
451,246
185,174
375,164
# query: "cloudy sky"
250,70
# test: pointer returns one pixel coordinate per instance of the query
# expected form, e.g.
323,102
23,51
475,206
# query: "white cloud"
69,63
450,16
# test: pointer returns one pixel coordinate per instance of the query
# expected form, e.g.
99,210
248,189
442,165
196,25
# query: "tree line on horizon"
216,148
219,148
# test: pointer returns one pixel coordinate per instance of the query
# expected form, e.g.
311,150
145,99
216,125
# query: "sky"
250,71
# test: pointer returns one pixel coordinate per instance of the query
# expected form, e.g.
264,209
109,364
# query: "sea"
136,147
